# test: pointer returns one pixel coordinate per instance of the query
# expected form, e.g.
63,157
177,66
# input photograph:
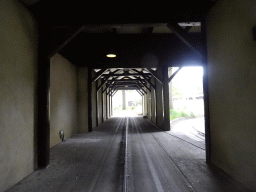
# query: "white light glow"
111,55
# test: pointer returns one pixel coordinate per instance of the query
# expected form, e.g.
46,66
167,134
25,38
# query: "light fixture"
126,86
111,55
126,78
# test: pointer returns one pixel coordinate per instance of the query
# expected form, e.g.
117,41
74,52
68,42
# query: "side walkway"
127,154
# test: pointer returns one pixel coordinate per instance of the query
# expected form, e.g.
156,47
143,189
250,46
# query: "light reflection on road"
125,113
193,128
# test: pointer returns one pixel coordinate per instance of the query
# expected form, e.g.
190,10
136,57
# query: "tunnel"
63,62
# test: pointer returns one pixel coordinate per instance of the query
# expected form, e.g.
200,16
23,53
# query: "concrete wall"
63,99
18,60
232,88
82,100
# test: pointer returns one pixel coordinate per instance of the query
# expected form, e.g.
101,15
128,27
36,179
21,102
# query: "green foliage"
180,113
177,92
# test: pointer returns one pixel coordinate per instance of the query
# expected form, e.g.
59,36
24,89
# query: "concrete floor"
128,154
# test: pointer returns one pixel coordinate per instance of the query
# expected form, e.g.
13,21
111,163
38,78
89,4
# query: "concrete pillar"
166,98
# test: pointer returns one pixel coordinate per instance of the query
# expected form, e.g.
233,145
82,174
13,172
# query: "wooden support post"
89,99
102,106
42,119
153,102
166,98
159,102
106,104
111,106
206,95
97,103
124,100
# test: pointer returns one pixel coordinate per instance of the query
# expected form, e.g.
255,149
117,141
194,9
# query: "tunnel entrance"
127,103
187,105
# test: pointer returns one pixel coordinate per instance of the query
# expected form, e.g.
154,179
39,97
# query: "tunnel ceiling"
85,31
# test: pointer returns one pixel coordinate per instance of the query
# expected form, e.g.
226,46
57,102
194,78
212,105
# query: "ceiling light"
126,86
126,78
111,55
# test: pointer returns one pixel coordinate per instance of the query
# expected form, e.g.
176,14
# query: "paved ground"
190,130
128,154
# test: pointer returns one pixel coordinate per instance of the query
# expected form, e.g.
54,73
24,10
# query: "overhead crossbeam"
99,74
145,78
145,86
182,35
125,74
155,75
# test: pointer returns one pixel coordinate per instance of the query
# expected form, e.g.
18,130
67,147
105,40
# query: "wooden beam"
139,92
155,75
145,86
206,96
151,84
114,93
173,75
61,46
125,74
142,74
98,75
89,100
140,88
166,98
182,35
104,81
